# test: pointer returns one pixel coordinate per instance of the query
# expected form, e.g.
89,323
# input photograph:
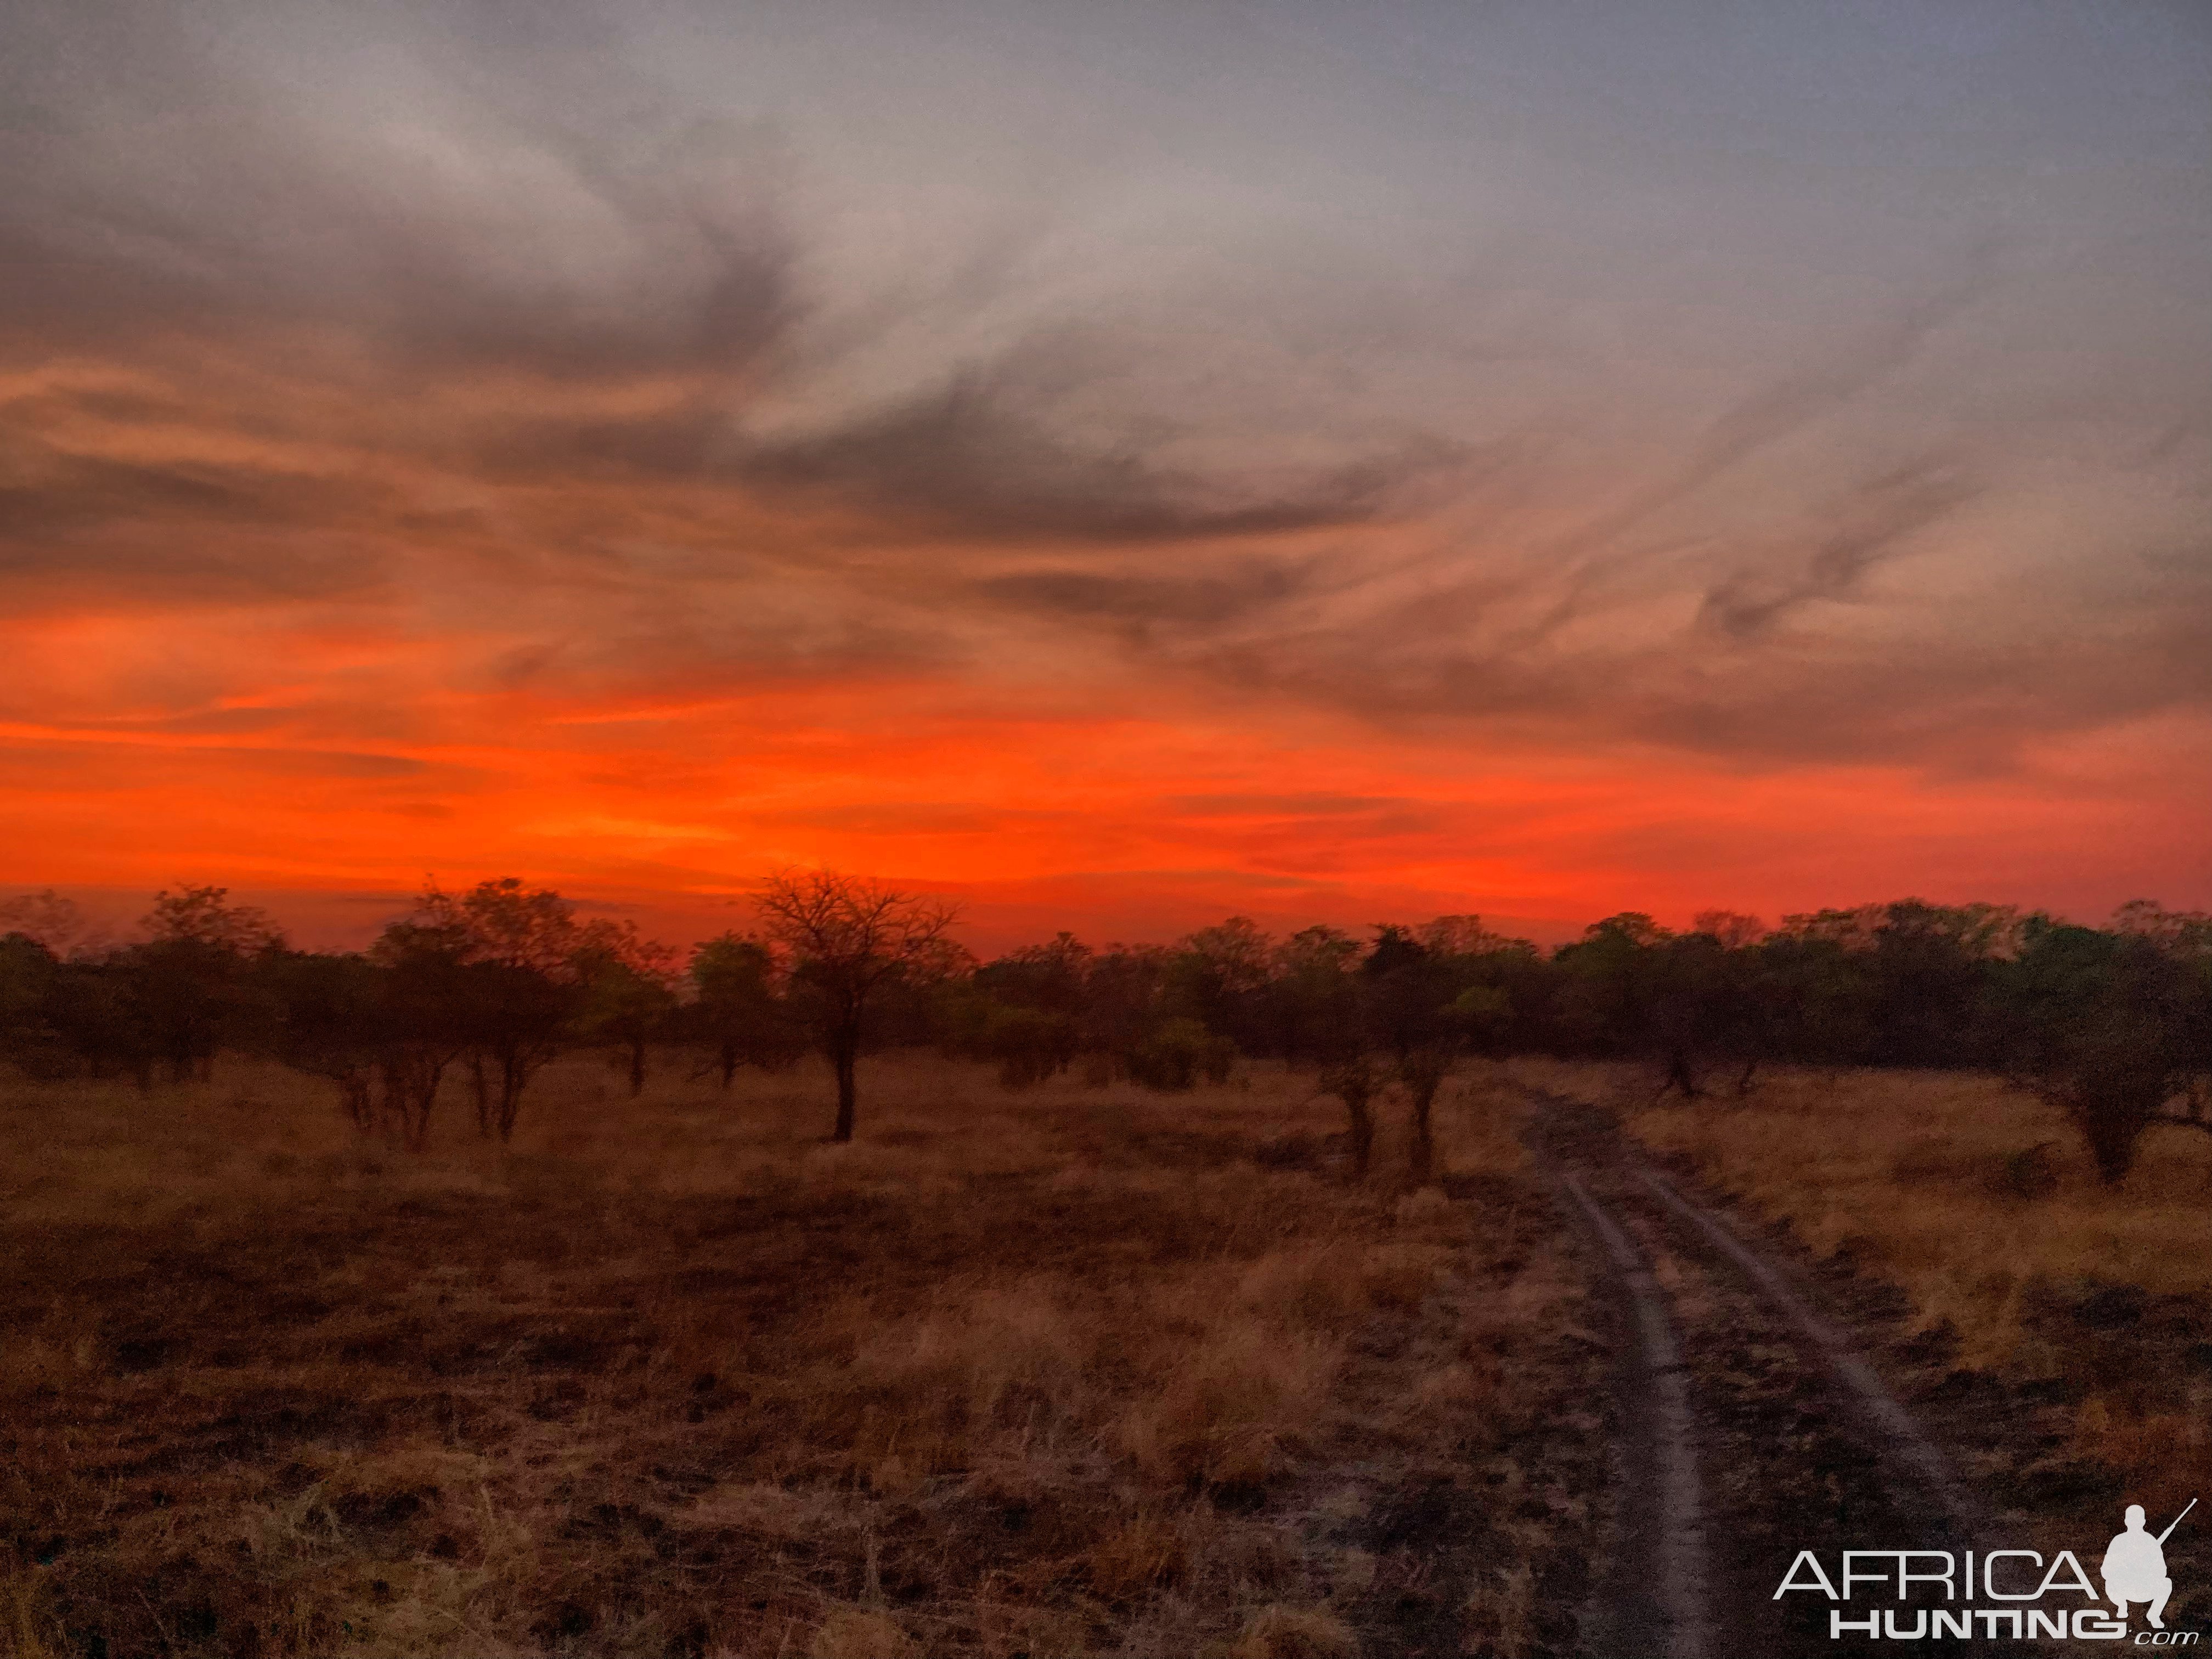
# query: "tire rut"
1653,1598
1799,1443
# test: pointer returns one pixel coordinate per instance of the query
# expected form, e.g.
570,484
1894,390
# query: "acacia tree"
1318,990
627,988
848,939
1406,987
332,1023
422,1022
189,979
520,945
736,1013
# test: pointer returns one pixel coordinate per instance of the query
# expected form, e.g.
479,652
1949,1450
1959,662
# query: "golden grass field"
1072,1371
1919,1179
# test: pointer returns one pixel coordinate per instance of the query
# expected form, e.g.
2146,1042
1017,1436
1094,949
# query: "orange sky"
1118,465
326,772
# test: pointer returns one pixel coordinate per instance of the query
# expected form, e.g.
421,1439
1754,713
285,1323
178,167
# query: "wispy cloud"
380,381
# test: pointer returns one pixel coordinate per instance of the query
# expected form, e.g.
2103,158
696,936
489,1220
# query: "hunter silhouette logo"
2135,1565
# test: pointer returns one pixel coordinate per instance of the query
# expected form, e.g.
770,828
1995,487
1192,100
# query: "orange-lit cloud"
531,453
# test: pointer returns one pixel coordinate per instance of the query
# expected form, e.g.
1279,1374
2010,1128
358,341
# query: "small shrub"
1178,1053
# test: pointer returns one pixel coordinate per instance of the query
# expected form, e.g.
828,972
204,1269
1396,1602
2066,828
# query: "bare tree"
54,921
848,939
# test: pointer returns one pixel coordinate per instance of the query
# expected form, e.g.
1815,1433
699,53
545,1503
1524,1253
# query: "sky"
1114,466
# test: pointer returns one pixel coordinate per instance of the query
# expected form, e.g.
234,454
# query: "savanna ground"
1073,1371
2056,1330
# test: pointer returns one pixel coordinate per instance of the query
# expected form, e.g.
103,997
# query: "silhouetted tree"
190,980
2103,1026
519,947
1498,987
53,920
849,939
1314,994
1403,993
1123,989
1932,970
1218,977
735,1012
334,1022
626,992
429,1012
30,981
1023,1011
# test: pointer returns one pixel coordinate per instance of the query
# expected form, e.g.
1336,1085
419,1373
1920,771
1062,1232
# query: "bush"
1178,1053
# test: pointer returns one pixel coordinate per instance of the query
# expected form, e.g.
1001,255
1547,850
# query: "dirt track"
1748,1424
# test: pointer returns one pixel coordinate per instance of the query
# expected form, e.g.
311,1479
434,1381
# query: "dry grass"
1076,1371
1980,1203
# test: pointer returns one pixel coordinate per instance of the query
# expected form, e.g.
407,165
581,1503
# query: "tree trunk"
637,1067
2112,1119
410,1093
843,1054
360,1102
481,1085
1363,1134
1353,1082
1425,1143
729,1063
513,1078
1681,1075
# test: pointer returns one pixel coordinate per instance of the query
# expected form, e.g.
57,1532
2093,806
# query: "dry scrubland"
1073,1371
1979,1203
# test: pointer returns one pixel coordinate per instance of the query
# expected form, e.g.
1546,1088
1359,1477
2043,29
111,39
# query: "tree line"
474,993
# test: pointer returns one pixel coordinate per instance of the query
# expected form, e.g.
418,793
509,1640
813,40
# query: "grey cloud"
527,201
973,460
48,493
189,529
1773,414
1961,703
691,439
1877,523
1230,592
607,237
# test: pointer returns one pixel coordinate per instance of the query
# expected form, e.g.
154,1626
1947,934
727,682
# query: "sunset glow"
1117,467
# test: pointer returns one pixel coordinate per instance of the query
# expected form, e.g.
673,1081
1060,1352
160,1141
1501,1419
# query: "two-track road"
1749,1425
